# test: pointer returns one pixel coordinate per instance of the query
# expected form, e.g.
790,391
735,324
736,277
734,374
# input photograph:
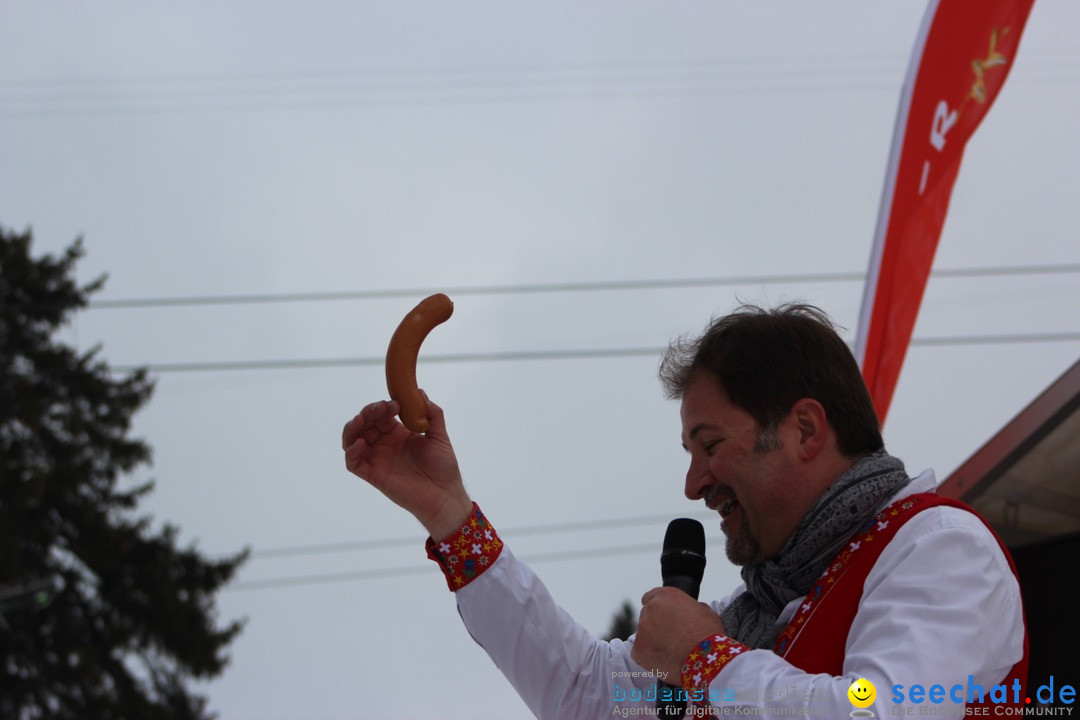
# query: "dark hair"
767,359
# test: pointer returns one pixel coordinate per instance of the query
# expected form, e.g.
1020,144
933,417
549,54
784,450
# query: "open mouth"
722,506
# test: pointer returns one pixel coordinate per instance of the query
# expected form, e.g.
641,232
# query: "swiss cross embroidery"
466,554
707,660
836,569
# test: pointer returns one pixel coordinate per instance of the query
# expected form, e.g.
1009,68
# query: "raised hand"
418,472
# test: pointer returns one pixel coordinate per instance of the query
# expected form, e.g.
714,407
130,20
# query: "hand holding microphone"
682,565
672,621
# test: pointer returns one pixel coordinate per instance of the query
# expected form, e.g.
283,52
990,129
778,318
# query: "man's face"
744,473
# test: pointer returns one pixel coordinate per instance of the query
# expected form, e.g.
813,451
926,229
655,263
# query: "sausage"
402,353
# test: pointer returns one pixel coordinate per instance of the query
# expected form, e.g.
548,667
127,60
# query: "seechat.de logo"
1046,694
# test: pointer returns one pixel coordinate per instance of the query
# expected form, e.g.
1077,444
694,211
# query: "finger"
436,419
351,431
387,420
356,459
356,426
373,411
374,420
650,595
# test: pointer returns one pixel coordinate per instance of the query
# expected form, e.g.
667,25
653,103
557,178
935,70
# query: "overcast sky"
494,151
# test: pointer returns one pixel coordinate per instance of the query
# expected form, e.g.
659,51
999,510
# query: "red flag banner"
961,59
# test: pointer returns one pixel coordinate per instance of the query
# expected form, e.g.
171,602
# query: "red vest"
811,642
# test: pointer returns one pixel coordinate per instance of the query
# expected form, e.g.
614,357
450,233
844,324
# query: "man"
851,569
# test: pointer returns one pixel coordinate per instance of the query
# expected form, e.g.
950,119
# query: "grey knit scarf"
849,503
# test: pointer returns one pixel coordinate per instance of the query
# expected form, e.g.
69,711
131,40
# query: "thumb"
436,420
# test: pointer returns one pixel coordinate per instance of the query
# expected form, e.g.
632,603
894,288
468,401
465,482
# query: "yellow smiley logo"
862,693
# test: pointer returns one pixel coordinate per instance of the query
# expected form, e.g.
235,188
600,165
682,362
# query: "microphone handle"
689,585
675,704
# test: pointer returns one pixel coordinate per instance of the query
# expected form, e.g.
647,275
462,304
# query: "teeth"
722,508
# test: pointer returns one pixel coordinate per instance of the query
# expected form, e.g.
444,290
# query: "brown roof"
1026,479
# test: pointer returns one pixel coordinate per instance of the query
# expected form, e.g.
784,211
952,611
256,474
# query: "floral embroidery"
466,554
707,660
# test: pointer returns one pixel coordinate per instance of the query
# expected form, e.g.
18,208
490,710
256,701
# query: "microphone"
682,565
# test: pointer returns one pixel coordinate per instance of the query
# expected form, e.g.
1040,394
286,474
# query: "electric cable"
543,355
566,287
478,83
531,530
375,573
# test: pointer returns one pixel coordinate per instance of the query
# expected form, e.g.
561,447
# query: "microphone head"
684,549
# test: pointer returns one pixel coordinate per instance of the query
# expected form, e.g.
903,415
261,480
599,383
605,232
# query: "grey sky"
286,147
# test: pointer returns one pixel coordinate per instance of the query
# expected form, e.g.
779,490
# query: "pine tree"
623,623
102,616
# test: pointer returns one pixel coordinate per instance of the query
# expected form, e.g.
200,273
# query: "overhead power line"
544,529
1002,339
736,65
564,287
561,528
375,573
314,363
445,85
516,289
554,287
480,84
543,355
524,356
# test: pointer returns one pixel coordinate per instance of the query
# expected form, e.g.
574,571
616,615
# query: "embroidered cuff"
707,660
466,554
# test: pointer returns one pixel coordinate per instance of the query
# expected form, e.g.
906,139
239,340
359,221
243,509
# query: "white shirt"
940,604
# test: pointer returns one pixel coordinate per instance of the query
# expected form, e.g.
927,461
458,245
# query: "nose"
698,480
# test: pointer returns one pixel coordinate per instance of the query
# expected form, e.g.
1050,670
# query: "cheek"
729,470
751,485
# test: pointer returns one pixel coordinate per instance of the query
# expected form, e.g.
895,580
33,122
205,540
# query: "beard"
741,547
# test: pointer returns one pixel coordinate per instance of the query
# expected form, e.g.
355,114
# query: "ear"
808,418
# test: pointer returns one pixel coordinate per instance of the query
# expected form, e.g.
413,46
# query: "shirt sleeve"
558,667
